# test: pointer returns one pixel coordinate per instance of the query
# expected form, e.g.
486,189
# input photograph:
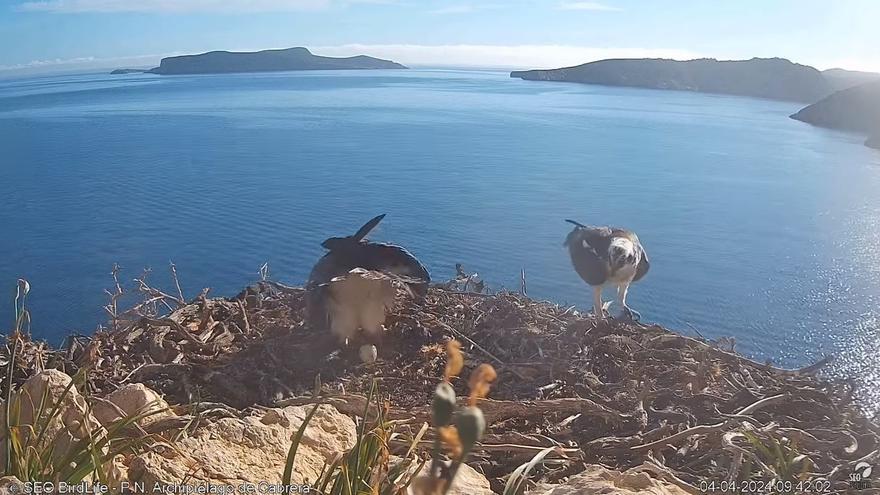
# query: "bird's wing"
588,247
393,262
330,265
377,276
392,259
643,266
598,239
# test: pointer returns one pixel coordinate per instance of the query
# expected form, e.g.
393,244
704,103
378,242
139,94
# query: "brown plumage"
353,285
605,256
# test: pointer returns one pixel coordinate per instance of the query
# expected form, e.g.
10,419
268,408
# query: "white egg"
368,353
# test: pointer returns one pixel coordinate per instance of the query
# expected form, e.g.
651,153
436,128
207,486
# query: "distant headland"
128,71
773,78
852,109
299,58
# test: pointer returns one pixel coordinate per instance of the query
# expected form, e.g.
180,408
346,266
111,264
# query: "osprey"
605,256
355,283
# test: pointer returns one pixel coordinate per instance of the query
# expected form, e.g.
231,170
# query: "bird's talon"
631,315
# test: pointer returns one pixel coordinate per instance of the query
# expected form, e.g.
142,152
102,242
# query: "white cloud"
176,6
84,63
508,56
587,6
499,56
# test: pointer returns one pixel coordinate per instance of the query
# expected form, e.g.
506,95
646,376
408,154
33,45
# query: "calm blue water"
759,227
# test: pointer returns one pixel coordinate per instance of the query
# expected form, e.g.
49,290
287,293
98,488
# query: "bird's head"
338,243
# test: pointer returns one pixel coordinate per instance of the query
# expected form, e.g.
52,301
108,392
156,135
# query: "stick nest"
613,393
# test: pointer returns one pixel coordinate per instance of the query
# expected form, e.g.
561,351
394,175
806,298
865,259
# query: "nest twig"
620,394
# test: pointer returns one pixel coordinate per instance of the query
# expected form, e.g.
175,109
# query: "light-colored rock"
250,450
598,480
468,481
38,396
10,485
131,400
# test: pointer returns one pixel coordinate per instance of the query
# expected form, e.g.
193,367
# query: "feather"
355,269
603,254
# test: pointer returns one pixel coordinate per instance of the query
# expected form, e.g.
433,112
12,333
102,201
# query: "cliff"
773,78
854,109
595,391
265,61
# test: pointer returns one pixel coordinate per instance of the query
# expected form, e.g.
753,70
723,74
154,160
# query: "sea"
759,227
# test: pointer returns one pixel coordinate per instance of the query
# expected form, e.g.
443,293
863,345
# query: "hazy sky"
62,34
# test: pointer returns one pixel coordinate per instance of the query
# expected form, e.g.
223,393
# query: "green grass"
368,468
41,447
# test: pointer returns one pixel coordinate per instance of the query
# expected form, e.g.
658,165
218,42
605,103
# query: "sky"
58,35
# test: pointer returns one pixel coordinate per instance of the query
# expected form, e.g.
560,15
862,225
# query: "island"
773,78
128,71
843,79
299,58
854,109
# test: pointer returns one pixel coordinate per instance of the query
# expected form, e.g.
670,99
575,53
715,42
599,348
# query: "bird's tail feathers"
367,227
574,234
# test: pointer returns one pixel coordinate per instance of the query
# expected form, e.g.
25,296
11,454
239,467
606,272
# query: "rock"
130,400
873,142
6,484
72,421
468,481
250,450
598,480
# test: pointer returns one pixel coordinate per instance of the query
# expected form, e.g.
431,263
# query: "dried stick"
706,429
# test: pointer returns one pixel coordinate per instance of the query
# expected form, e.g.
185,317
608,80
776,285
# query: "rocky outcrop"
10,485
774,78
598,480
299,58
134,399
36,398
468,481
855,109
252,449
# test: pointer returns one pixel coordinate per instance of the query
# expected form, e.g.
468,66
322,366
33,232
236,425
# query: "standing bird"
355,283
607,256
